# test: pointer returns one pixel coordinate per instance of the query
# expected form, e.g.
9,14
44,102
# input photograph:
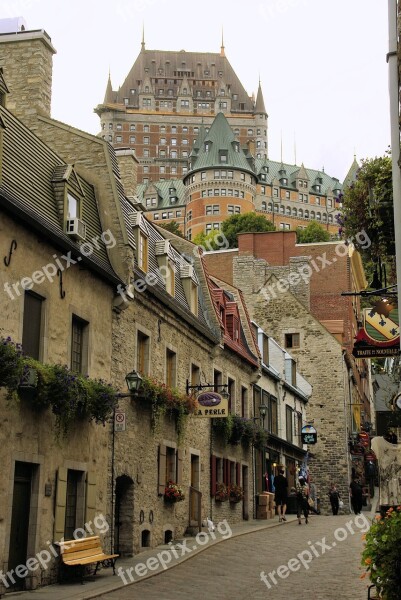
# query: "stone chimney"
128,165
27,61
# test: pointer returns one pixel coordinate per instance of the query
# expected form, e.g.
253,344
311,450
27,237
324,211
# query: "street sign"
119,421
308,434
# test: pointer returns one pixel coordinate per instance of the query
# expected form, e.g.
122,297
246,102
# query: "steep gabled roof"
219,140
260,103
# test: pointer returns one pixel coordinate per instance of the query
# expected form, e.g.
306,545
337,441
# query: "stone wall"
319,359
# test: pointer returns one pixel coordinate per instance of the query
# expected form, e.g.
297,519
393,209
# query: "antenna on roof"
222,53
143,37
281,145
295,149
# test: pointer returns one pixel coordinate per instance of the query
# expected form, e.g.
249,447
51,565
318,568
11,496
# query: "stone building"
154,310
294,293
166,97
57,289
225,179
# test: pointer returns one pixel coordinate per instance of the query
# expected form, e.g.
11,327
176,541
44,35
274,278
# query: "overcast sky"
322,65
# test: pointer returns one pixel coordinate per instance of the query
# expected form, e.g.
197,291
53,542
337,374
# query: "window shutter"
180,456
213,475
162,469
238,473
61,501
90,505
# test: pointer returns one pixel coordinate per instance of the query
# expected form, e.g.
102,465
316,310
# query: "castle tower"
221,180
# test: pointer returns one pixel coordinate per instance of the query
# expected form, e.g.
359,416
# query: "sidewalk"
178,552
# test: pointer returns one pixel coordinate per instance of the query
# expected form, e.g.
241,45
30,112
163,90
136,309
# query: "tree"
245,223
312,233
209,241
368,210
172,227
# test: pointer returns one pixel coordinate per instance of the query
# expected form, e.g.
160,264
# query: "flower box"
173,493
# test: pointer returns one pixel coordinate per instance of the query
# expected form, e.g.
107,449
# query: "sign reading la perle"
211,404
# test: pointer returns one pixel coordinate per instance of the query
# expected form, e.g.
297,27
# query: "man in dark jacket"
356,496
280,496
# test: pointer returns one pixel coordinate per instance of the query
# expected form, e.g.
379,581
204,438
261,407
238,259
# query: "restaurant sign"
211,404
308,434
380,334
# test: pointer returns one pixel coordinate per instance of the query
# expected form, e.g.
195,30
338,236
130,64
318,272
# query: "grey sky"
322,65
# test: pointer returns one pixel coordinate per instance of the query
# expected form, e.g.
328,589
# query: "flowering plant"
381,556
173,492
221,492
235,493
11,366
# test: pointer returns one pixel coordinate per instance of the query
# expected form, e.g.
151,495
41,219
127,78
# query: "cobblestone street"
320,560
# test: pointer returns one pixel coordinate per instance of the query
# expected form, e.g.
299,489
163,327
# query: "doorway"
245,487
20,520
195,498
124,516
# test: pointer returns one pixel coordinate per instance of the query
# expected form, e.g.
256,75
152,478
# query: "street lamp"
262,414
134,382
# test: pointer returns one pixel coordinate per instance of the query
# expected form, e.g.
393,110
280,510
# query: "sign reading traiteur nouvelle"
211,404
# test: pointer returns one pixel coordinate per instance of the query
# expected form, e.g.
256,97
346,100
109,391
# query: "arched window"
294,212
300,213
312,214
263,205
318,217
288,211
307,214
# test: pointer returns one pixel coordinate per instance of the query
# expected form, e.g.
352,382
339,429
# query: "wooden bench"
85,551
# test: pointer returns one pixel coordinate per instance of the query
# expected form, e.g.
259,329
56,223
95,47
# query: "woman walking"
334,497
302,500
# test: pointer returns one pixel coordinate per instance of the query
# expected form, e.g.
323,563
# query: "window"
203,175
244,402
72,206
132,139
291,340
273,415
146,128
173,154
184,142
119,127
329,203
171,367
142,353
173,129
173,141
132,127
231,395
287,194
275,192
146,140
217,379
317,201
263,205
265,349
146,102
31,329
74,503
288,423
146,152
163,141
142,251
79,345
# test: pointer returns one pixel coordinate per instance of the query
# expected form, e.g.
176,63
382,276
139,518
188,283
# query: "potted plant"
173,493
221,494
381,555
235,493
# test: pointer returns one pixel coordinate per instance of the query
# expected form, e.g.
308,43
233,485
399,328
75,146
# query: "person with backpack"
302,500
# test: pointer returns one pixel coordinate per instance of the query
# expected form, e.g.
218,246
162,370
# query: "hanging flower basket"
173,493
235,493
221,494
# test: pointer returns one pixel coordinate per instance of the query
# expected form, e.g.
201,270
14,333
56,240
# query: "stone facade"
319,358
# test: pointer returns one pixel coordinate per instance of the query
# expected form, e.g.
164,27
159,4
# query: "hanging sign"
380,335
308,434
211,404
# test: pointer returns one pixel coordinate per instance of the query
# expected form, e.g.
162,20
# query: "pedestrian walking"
356,496
334,497
302,500
280,495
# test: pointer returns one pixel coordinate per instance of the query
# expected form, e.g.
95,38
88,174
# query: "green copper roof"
219,149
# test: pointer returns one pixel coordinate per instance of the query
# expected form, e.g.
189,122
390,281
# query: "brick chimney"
128,165
27,61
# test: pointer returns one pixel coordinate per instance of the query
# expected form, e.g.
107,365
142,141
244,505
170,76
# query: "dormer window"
223,156
138,224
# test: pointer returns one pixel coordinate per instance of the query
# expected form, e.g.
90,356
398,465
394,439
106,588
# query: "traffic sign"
119,421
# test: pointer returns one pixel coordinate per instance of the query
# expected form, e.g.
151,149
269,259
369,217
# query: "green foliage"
70,396
312,233
380,556
168,402
173,227
368,206
209,241
245,223
235,430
